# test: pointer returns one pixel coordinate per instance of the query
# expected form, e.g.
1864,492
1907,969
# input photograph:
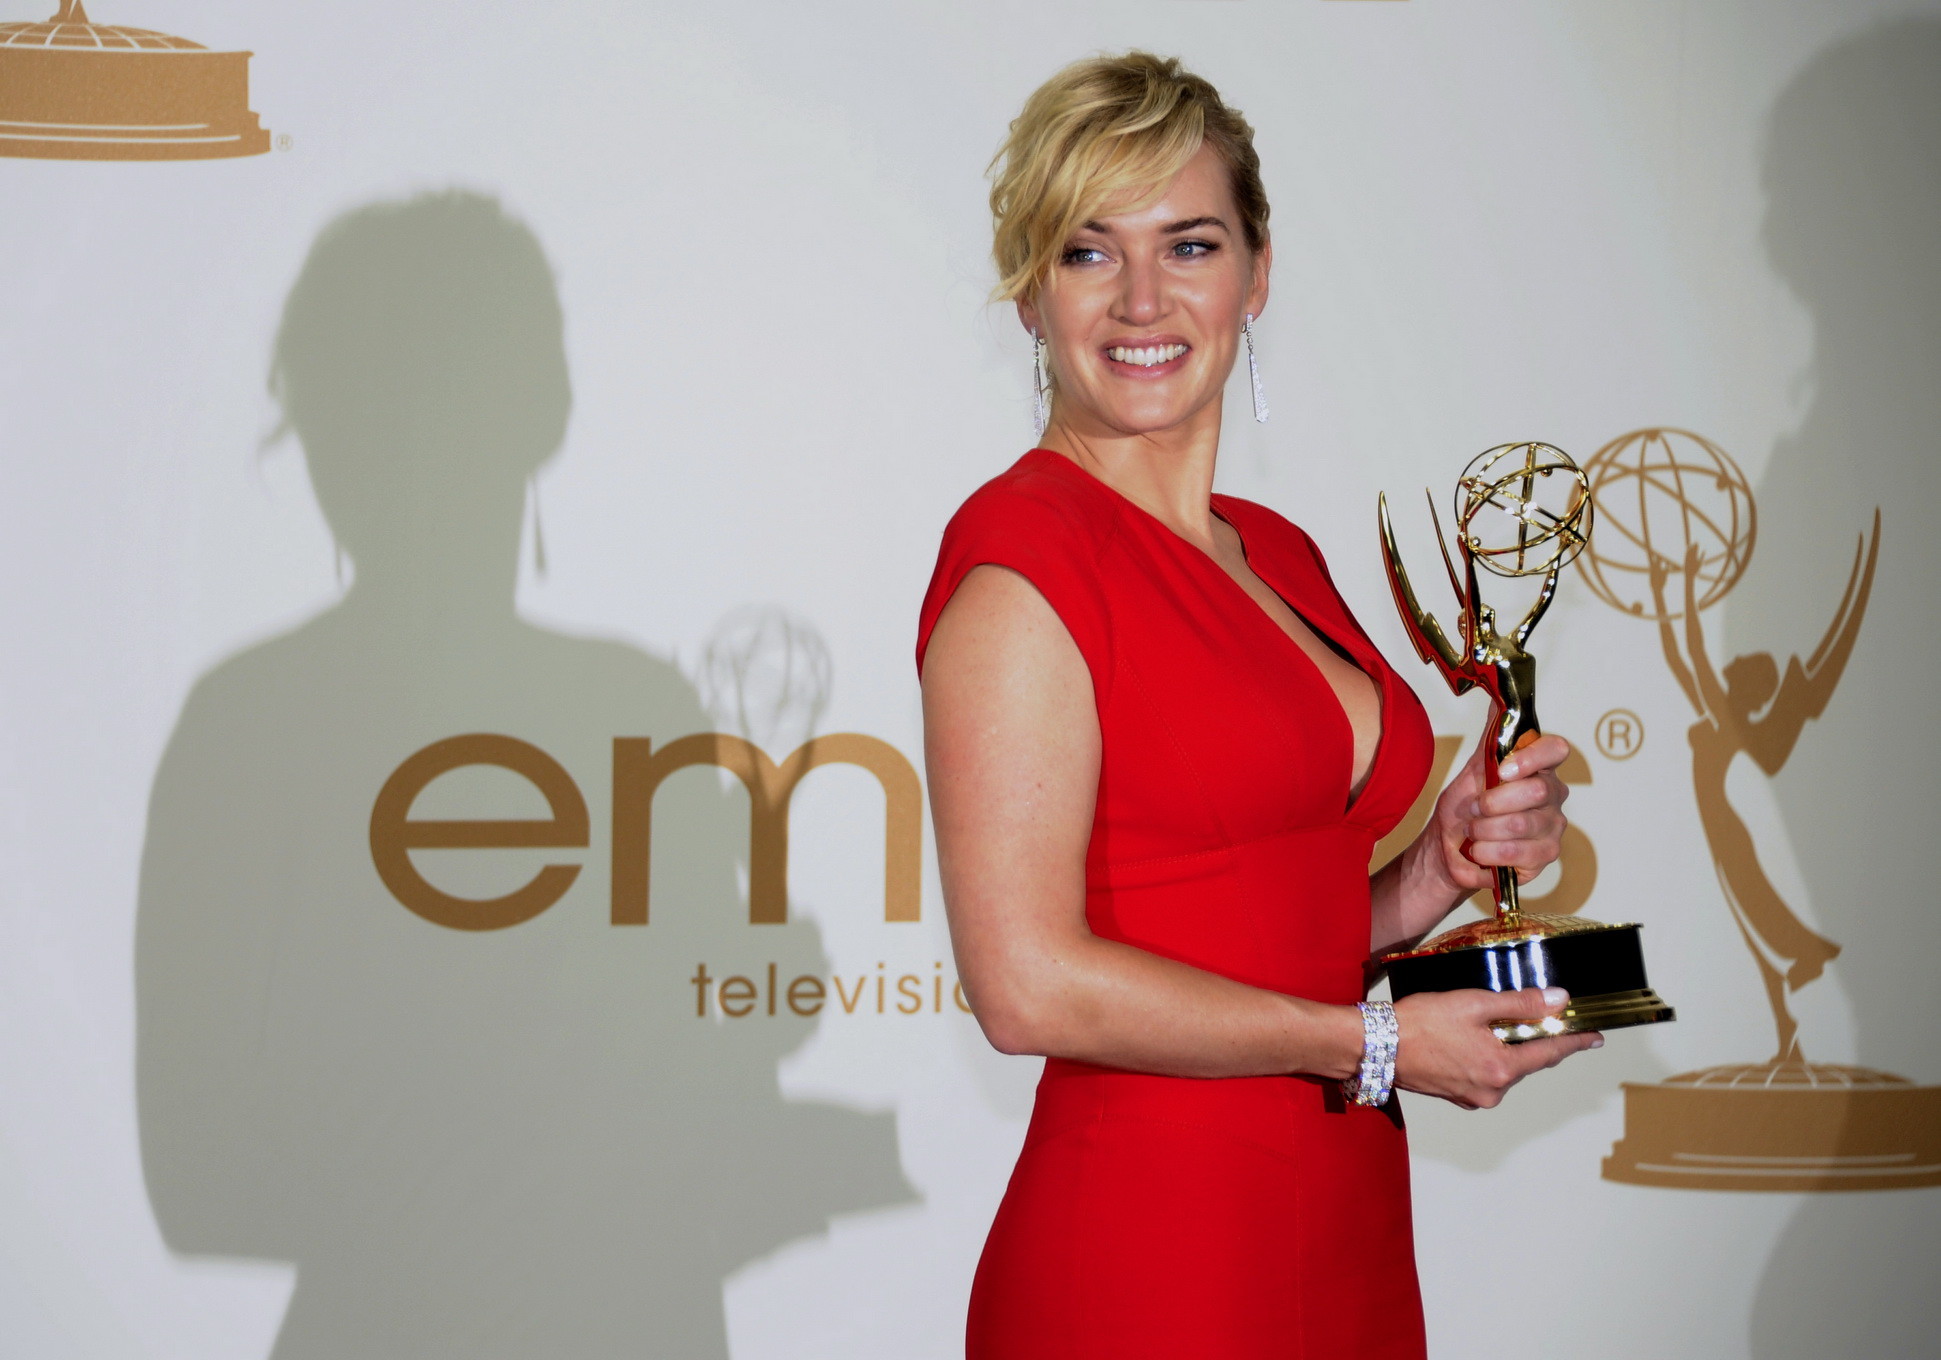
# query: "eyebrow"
1170,229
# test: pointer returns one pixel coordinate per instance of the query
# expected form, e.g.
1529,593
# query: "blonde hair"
1108,130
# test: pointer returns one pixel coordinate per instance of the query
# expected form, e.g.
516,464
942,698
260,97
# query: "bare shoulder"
1008,711
1000,631
999,605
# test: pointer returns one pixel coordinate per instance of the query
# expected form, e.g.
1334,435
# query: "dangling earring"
1253,370
1040,386
538,530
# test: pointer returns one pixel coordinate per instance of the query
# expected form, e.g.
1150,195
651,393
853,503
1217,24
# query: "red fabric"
1242,1218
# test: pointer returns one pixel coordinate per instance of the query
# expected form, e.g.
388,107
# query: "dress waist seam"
1233,846
1103,1117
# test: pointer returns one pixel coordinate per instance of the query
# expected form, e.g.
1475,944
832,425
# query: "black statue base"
1602,967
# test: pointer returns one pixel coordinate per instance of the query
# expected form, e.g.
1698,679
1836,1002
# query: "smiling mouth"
1146,356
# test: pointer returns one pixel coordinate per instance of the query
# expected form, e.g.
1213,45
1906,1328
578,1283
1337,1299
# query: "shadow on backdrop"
502,1143
1853,226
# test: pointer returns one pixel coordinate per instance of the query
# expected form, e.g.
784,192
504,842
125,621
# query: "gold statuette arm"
1538,609
1668,636
1712,699
1431,643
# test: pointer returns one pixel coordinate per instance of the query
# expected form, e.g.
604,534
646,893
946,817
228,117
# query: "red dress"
1246,1217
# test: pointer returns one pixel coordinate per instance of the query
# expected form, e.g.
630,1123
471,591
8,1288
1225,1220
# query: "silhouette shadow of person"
491,1143
1853,188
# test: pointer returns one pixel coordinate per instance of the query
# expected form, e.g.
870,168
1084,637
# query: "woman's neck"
1166,473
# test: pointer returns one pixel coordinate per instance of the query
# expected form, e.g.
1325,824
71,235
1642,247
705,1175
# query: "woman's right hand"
1446,1048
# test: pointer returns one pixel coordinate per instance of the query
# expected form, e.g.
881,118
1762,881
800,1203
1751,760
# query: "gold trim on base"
1506,928
125,103
1780,1126
1612,1010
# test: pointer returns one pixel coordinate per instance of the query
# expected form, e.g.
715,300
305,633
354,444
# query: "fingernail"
1597,1043
1509,769
1474,810
1555,996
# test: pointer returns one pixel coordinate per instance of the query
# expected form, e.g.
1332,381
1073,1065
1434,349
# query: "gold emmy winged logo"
72,89
1679,527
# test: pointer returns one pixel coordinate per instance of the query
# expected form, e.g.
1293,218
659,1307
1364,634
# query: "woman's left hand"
1520,822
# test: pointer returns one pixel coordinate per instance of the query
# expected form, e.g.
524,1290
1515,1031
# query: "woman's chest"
1220,727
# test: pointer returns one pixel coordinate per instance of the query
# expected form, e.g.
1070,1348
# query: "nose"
1141,299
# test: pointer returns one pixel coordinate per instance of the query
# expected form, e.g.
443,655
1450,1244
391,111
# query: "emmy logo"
1680,524
72,89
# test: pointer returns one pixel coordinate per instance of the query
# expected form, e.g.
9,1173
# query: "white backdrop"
1494,220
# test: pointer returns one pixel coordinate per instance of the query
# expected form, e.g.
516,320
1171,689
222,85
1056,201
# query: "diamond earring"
1040,386
1253,370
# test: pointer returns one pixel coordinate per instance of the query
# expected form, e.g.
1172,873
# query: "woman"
1160,755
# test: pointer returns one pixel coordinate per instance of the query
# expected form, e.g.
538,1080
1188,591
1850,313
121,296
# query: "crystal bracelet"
1380,1038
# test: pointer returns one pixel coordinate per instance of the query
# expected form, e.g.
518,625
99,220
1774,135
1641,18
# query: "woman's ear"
1028,316
1257,290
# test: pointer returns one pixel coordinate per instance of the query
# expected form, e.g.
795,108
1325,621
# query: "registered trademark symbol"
1620,734
284,141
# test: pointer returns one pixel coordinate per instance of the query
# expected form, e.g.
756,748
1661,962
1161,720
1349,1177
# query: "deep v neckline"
1352,797
1327,639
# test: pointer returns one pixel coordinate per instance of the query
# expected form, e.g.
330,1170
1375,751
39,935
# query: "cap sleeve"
1040,530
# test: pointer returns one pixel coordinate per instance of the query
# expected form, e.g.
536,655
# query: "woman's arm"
1520,822
1012,746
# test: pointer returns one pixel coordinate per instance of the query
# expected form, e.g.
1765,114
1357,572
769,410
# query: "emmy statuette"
1686,523
1521,510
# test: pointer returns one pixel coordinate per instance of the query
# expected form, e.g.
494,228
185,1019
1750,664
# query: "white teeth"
1146,356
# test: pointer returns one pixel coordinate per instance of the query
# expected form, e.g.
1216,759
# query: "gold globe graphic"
1659,493
1523,509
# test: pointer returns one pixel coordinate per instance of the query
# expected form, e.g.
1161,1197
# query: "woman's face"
1142,311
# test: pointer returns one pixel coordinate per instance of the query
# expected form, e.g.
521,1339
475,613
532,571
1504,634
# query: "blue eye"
1083,255
1189,249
